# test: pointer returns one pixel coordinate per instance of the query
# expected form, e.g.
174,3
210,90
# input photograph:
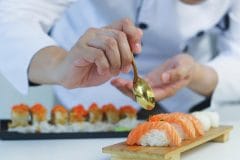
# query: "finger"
124,48
96,56
133,33
129,85
110,47
175,74
169,90
120,84
180,84
154,79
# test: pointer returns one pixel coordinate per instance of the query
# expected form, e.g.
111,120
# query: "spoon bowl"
143,94
142,91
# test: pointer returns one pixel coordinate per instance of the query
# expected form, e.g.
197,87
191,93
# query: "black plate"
5,135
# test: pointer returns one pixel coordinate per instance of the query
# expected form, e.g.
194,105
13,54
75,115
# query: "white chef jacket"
170,26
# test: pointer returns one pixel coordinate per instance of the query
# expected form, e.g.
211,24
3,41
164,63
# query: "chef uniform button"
200,34
143,25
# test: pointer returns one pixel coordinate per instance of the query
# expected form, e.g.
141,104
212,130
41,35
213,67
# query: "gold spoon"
142,91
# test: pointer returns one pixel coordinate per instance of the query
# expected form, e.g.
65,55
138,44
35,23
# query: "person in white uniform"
40,42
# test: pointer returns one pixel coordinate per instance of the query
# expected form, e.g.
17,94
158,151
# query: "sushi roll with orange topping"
39,113
128,118
111,113
158,133
128,112
95,113
20,116
78,114
59,115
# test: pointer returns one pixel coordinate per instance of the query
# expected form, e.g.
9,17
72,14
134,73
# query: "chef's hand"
96,57
176,73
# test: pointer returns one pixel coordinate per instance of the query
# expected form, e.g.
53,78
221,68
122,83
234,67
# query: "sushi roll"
128,112
38,113
183,125
128,118
59,115
157,133
78,114
95,113
20,116
111,113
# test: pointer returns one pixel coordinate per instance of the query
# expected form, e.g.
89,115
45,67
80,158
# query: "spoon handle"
135,71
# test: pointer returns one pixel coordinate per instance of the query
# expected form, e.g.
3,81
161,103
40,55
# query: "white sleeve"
23,31
227,63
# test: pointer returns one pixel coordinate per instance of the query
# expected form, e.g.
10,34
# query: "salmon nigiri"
154,134
182,124
196,123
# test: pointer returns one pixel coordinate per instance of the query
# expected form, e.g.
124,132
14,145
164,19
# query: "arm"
204,81
227,63
43,68
220,77
176,73
98,55
23,33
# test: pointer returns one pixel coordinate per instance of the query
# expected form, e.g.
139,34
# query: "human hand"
100,54
165,80
97,56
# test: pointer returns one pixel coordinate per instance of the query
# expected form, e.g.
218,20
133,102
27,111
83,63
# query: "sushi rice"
170,129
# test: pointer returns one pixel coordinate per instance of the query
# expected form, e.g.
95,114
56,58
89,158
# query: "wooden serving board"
122,151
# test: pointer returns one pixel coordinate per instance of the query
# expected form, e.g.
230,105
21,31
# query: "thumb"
153,80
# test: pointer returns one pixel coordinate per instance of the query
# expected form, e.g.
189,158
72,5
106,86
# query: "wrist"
58,66
44,67
197,73
204,80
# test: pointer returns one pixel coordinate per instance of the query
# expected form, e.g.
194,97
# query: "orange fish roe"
79,110
109,107
59,108
93,107
78,114
95,113
39,110
128,109
20,108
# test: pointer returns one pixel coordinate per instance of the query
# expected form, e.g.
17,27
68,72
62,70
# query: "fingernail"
115,72
140,31
165,77
138,47
126,69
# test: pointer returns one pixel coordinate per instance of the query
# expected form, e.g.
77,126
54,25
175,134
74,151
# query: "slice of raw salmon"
143,128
